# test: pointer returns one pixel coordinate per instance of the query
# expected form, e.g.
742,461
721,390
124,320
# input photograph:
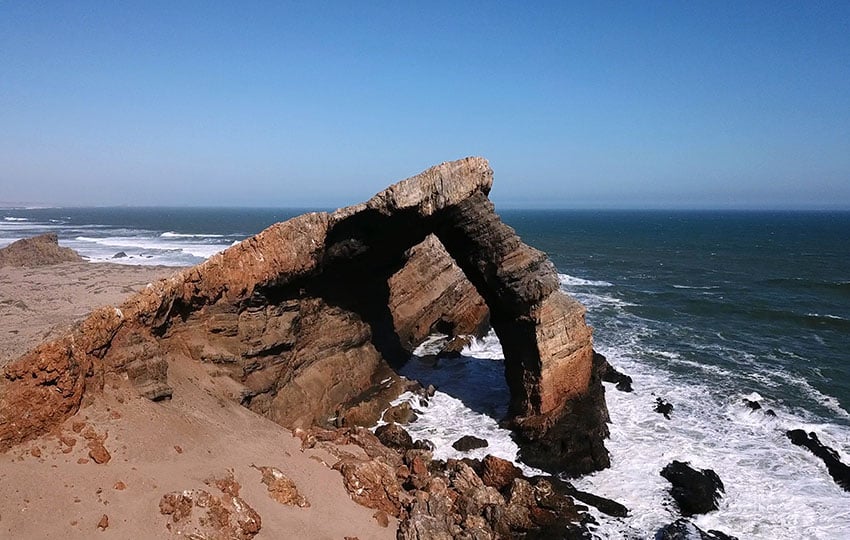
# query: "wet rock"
424,444
394,436
400,414
469,442
610,374
454,347
752,404
695,491
770,412
604,505
663,407
119,255
682,529
838,470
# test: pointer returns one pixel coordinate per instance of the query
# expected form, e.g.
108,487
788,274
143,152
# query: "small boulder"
394,436
119,255
610,374
498,473
469,442
752,404
400,414
696,492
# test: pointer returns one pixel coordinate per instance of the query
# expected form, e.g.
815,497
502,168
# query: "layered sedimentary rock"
39,250
308,316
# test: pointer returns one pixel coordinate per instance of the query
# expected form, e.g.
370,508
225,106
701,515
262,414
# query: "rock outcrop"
40,250
695,491
308,317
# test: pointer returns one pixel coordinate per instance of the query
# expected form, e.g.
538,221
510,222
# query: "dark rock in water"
400,414
119,255
839,471
606,506
696,492
663,407
769,412
424,444
469,442
752,404
610,374
682,529
394,436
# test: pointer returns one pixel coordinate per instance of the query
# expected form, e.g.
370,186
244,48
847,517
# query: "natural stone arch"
300,316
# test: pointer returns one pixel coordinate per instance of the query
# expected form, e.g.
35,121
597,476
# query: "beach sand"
52,488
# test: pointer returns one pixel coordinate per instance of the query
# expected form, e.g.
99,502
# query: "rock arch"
300,317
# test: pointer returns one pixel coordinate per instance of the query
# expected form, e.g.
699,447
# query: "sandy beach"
52,487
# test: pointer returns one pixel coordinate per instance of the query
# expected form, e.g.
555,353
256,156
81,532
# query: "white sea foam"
172,234
15,219
704,288
141,244
572,281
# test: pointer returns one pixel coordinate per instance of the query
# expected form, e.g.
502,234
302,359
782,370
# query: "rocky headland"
303,325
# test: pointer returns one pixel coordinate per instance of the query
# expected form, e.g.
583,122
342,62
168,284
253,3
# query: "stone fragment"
103,524
400,414
839,471
216,517
498,473
281,488
663,407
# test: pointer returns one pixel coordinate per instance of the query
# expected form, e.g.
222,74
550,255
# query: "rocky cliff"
307,317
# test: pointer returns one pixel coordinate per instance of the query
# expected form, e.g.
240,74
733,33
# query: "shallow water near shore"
702,309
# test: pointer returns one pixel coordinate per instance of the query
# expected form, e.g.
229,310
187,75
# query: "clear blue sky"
587,104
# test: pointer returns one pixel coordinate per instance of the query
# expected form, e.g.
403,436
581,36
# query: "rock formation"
308,317
40,250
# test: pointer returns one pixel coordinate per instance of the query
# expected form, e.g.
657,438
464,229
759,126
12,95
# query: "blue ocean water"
702,309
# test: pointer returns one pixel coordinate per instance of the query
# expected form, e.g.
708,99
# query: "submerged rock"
838,470
695,491
663,407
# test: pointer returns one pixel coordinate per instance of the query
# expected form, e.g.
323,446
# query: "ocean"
701,309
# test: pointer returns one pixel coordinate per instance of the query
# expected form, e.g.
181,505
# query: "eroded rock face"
308,316
39,250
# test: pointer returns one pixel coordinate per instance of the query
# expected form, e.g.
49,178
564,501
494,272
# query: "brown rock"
103,524
394,436
178,449
119,486
227,484
99,453
78,426
498,473
372,483
40,250
400,414
217,517
281,488
382,518
278,313
35,451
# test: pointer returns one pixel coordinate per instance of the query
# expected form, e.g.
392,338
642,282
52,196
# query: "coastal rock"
196,513
400,414
695,491
839,471
394,436
469,442
663,407
308,317
682,529
39,250
498,473
609,373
